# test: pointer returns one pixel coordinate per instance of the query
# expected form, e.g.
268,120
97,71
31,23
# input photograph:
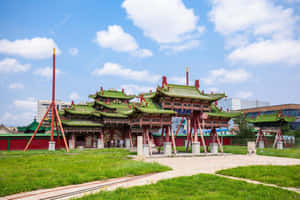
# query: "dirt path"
182,166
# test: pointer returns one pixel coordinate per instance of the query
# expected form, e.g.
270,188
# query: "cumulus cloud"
23,112
136,89
163,21
73,51
191,44
8,65
118,40
177,80
267,52
114,69
226,76
26,104
16,86
46,72
74,96
35,48
170,23
17,118
253,28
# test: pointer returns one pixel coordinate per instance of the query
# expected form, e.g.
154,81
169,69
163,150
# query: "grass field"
32,170
202,186
287,152
288,176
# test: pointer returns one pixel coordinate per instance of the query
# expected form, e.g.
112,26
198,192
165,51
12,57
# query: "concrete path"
182,166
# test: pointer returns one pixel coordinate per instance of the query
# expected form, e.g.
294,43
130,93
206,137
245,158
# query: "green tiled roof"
32,127
192,92
80,109
86,123
271,118
152,108
148,95
114,106
106,114
114,94
93,96
216,112
223,114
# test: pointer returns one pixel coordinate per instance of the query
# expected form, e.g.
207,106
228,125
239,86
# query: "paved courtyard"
182,166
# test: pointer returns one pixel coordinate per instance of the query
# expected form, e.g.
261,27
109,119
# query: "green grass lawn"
202,186
32,170
288,176
287,152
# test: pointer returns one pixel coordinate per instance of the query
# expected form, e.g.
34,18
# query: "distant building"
43,105
240,104
292,110
3,129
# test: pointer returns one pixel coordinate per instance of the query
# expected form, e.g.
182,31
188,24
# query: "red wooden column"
190,139
173,140
201,135
195,129
161,139
148,139
167,138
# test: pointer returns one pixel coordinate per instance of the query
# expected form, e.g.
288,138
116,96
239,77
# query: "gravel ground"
187,166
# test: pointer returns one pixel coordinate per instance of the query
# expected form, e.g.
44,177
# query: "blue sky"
249,49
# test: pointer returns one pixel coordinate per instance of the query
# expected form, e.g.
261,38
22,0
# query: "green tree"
244,130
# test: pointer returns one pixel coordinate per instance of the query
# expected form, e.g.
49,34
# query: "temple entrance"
113,138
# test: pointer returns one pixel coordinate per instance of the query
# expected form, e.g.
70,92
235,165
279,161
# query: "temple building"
114,120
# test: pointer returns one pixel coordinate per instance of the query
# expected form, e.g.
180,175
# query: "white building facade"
239,104
42,106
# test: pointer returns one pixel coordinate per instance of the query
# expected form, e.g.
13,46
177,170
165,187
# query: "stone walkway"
182,166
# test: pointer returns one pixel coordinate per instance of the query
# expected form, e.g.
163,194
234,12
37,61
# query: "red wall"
3,144
37,143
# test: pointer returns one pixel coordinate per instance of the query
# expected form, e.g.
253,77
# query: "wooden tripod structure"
55,116
278,137
260,137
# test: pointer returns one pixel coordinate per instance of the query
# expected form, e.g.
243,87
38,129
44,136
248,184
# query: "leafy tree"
244,130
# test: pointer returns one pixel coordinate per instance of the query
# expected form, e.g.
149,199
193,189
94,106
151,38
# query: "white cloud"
267,52
142,53
23,113
259,16
136,89
114,69
73,51
74,96
177,80
213,89
12,65
16,86
257,31
244,94
163,21
191,44
46,72
35,48
226,76
116,39
27,104
17,118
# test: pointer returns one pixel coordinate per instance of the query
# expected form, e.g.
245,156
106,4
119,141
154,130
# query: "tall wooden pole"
53,97
55,116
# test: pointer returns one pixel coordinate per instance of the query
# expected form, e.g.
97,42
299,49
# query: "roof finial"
164,82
